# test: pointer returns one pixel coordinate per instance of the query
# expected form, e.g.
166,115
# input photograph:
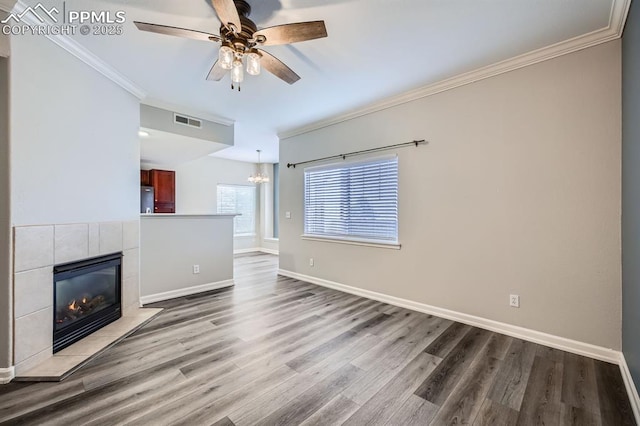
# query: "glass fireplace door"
86,297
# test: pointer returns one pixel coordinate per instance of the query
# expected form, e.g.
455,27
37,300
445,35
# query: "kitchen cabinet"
164,185
145,178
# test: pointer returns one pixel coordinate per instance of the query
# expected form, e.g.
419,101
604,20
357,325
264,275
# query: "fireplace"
86,296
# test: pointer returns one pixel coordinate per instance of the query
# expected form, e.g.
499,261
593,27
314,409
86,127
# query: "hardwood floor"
277,351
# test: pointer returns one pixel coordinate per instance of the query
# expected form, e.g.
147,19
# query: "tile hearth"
64,363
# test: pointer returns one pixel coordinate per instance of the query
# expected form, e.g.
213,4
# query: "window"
356,201
239,199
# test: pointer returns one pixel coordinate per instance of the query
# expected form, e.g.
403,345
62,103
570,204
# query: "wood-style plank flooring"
277,351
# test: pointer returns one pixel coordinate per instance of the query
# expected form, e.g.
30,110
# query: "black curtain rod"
366,151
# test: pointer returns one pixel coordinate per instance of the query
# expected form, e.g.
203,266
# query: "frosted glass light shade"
237,73
225,57
253,63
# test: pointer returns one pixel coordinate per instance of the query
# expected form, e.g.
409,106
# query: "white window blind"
353,201
239,199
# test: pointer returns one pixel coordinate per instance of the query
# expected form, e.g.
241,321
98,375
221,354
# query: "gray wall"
6,313
517,192
171,244
75,156
161,119
631,192
4,39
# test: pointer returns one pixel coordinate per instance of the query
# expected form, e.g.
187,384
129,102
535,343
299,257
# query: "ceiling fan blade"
228,14
175,31
216,73
291,33
276,67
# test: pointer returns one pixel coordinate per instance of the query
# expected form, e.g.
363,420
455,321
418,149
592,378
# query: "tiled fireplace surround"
36,250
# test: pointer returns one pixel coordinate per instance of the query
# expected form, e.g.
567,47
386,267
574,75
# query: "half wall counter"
182,255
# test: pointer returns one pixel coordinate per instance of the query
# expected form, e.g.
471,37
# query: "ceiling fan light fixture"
240,37
253,63
226,55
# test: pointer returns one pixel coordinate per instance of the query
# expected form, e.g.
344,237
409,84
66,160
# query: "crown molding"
82,53
617,19
98,64
188,111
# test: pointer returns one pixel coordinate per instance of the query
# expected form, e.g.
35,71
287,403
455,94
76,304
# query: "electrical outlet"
287,215
196,269
311,261
514,300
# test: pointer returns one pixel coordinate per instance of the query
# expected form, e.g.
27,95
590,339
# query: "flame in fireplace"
79,307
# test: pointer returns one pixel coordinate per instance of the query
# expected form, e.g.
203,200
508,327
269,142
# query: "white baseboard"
632,391
269,251
568,345
247,250
7,374
159,297
256,250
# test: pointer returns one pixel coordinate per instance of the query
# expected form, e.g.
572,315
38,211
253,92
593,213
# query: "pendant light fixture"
259,177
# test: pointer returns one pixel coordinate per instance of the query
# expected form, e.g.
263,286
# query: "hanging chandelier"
259,177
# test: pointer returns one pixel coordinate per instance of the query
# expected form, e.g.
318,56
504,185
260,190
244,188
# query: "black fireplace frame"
96,320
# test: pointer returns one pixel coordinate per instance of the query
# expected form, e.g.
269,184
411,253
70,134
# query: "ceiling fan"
240,40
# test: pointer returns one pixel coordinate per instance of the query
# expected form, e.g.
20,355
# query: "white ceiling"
170,149
375,49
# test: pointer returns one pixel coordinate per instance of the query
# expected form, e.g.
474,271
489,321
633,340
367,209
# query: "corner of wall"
7,374
631,193
632,389
6,234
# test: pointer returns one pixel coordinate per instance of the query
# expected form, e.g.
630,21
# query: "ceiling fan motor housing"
242,38
244,8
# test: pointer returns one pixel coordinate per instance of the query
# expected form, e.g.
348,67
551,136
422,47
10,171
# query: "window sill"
244,235
271,240
353,241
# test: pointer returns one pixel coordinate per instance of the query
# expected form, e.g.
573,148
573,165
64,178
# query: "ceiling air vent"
187,121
